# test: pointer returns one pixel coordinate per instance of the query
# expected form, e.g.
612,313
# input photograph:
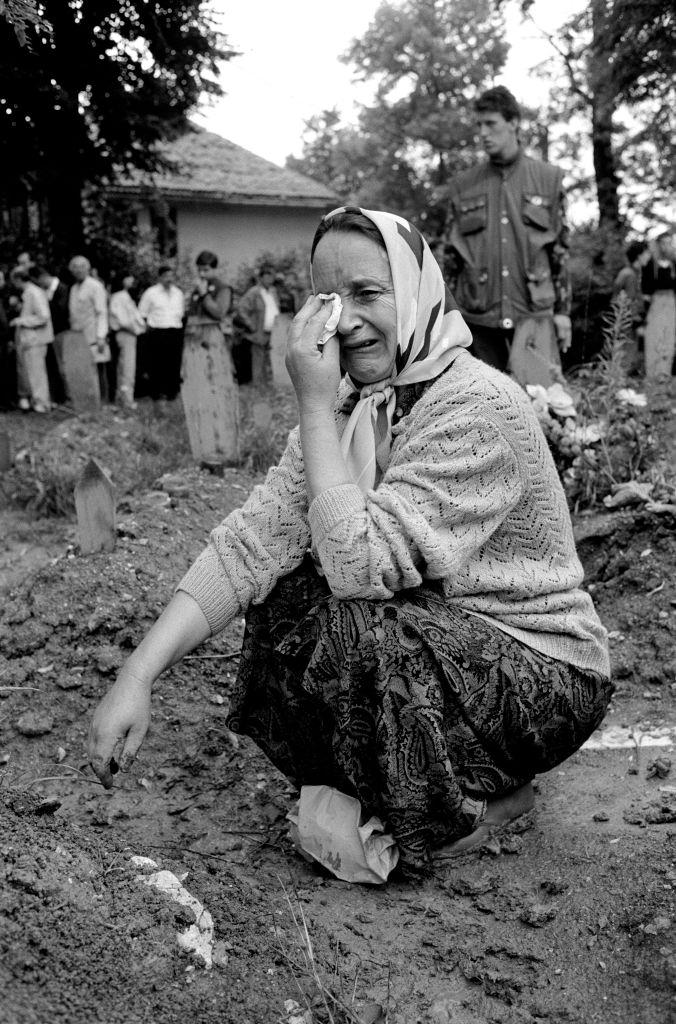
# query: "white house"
222,197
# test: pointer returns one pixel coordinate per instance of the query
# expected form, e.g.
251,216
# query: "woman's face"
358,269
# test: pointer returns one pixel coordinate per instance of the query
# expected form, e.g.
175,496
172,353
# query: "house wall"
239,234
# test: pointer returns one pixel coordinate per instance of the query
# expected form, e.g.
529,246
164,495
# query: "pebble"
34,723
601,816
537,915
70,682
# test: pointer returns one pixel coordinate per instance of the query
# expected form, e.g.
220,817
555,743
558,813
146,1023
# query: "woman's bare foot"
498,813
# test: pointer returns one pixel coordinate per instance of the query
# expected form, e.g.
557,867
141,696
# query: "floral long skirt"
421,711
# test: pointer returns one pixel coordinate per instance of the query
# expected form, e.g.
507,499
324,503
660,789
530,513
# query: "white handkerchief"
332,322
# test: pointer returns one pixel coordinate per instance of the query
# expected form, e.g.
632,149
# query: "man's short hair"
79,260
207,259
634,250
498,101
163,269
267,268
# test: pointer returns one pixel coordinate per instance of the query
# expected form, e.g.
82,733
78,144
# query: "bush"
602,436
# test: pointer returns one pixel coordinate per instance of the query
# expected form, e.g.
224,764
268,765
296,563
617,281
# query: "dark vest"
504,223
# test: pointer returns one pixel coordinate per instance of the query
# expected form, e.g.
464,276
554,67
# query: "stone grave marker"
278,336
95,507
5,451
82,381
210,397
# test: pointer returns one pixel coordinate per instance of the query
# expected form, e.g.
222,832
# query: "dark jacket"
510,241
58,307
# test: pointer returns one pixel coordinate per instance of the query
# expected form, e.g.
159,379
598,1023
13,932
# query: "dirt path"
569,921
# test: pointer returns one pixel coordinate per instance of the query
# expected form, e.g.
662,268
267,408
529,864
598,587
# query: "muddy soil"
570,920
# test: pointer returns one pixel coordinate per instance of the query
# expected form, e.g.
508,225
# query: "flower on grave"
551,401
630,397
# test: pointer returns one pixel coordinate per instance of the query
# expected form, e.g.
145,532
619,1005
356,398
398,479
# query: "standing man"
33,334
509,241
259,308
162,307
88,312
126,322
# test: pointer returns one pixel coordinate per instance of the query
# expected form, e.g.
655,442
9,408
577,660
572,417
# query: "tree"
21,14
95,87
619,60
428,60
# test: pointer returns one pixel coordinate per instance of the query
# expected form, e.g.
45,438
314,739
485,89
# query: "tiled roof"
208,167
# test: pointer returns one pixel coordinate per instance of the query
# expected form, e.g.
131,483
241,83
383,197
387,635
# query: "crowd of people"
135,340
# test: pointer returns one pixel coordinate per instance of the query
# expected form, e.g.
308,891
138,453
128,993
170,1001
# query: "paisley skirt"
420,710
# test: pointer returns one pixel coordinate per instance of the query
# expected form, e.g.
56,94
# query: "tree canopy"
618,62
427,59
613,94
96,85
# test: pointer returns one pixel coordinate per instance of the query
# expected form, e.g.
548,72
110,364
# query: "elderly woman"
416,636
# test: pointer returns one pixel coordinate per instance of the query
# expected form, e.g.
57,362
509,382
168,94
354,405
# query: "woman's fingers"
314,314
134,739
119,725
103,761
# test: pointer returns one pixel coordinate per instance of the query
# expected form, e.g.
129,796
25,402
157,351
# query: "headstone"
82,381
5,451
95,507
278,338
210,396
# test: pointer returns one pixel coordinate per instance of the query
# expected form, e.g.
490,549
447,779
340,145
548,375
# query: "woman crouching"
416,635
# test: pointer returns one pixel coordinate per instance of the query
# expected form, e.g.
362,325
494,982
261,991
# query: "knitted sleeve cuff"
206,582
332,506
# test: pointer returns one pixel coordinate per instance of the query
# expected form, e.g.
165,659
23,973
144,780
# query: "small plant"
321,985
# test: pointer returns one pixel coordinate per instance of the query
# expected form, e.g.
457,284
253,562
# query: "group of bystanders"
135,342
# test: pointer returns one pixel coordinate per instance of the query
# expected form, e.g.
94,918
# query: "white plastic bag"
327,826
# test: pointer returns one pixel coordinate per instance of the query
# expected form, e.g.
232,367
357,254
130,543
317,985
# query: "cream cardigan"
470,497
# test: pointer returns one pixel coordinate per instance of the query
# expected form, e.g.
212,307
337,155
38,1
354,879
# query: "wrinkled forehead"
344,259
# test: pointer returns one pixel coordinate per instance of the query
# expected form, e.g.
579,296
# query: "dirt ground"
571,920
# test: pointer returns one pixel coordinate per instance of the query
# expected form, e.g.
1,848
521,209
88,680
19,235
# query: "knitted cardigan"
470,497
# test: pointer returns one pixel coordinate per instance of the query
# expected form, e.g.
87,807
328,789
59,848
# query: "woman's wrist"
316,408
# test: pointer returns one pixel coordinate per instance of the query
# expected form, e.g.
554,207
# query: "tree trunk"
603,107
64,203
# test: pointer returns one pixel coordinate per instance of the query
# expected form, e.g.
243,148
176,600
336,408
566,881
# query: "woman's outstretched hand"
119,726
122,718
314,370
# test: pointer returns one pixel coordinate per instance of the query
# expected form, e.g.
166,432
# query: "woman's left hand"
315,371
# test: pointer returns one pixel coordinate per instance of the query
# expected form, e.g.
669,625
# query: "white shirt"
162,308
271,308
88,309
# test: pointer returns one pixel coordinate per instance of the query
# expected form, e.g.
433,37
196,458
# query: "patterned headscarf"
430,333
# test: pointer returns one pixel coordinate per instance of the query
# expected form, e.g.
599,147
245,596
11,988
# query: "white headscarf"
430,333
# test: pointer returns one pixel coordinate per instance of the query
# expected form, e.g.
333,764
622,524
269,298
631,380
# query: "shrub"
603,436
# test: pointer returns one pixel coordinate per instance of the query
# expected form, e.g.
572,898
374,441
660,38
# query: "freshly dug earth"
571,920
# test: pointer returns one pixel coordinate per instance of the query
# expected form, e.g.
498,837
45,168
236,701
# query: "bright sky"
289,69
